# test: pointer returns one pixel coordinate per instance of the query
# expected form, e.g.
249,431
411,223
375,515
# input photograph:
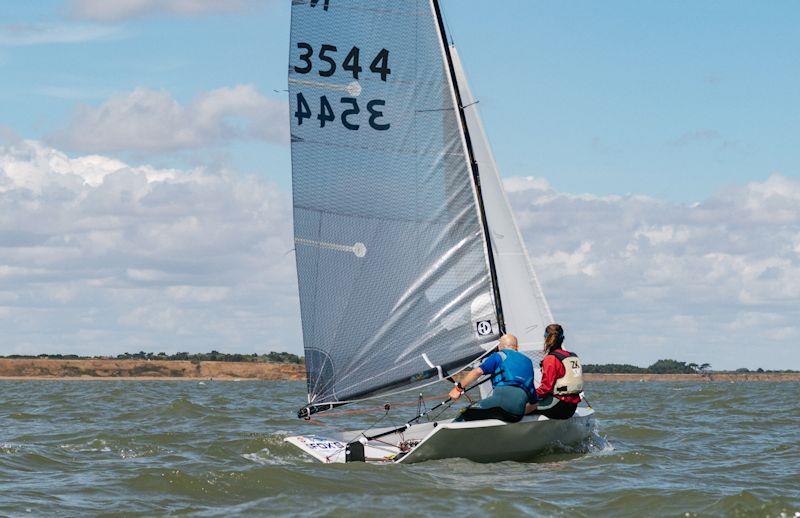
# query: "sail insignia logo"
484,327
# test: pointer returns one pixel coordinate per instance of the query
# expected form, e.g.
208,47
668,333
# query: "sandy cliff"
145,369
159,369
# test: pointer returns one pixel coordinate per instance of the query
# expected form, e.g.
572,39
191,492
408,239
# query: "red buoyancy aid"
562,376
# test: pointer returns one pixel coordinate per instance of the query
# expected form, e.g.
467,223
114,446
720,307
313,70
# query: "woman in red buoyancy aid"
562,377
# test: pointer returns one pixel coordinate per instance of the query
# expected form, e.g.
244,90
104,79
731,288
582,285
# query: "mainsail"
396,277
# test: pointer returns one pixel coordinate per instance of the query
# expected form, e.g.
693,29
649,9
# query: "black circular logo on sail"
484,327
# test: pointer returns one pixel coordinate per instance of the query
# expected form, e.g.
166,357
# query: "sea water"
216,449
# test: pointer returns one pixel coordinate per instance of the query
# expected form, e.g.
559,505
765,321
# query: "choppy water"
213,449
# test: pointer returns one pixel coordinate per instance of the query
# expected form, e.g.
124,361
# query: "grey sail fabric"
392,259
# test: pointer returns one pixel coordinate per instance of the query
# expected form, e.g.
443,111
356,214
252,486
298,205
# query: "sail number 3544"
350,108
351,63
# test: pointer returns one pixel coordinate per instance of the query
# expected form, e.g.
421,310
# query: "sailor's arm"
549,376
468,380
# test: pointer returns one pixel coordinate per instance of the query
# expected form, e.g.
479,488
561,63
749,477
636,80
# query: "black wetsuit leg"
506,403
560,410
476,414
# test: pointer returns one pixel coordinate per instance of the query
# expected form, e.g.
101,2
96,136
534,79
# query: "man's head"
508,341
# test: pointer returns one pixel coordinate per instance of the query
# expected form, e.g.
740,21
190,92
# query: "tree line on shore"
213,356
659,367
664,367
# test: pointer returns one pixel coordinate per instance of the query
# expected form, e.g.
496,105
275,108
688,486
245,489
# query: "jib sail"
395,274
525,309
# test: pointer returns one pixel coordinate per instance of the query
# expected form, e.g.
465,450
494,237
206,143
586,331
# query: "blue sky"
670,99
673,100
675,121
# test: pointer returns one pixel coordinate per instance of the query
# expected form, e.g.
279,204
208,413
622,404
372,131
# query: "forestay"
392,259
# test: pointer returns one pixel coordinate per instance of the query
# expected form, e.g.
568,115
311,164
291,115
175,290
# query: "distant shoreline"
142,370
178,370
710,376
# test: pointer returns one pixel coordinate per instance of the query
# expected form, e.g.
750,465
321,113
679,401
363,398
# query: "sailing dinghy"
410,264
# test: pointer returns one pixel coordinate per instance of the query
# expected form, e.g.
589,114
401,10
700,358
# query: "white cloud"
100,257
526,183
664,234
116,10
619,270
566,263
153,121
47,33
34,167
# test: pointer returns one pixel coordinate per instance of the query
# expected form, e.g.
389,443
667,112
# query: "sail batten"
394,264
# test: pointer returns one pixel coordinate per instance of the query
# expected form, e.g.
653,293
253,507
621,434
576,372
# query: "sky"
649,151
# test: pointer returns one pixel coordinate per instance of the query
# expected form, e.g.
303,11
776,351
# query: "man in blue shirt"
512,379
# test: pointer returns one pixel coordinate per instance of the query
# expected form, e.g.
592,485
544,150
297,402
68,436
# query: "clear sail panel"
391,254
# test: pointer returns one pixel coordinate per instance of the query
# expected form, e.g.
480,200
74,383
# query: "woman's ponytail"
554,337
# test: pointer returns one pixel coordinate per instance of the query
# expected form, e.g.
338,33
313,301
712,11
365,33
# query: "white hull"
488,440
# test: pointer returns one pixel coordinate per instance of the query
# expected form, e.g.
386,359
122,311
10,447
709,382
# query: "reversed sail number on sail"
326,113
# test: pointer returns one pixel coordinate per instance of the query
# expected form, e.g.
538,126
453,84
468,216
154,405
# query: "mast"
473,166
